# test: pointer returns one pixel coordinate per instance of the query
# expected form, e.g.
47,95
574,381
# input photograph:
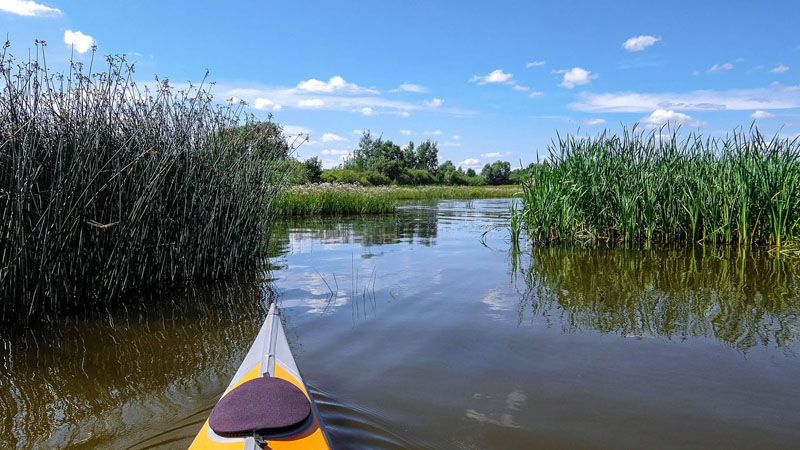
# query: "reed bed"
657,187
108,187
345,199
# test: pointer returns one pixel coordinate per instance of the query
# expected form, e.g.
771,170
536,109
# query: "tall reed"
643,187
107,186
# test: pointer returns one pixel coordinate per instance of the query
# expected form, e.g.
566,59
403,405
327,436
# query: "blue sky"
487,80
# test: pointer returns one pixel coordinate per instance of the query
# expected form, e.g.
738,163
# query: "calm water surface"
424,330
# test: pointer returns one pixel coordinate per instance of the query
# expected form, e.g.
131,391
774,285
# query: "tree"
313,167
471,172
428,156
497,173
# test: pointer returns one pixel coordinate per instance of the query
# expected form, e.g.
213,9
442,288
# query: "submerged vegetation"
656,187
340,199
108,187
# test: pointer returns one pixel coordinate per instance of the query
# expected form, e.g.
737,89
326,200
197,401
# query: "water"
425,330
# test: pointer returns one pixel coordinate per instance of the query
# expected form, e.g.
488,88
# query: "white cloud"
456,137
28,8
435,102
334,84
367,111
233,100
405,132
720,67
594,121
267,104
334,152
410,87
492,155
310,103
450,144
295,130
759,114
576,77
780,68
496,76
330,137
81,42
535,94
333,95
662,116
470,163
518,87
535,64
639,43
776,96
435,133
358,131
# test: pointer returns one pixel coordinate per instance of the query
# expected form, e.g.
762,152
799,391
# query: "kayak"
267,404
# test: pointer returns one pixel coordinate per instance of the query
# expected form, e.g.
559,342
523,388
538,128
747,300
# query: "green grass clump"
656,187
106,187
344,199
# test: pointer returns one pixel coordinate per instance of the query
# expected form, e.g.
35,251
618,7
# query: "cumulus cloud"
435,132
336,94
79,41
594,121
576,77
435,102
367,111
330,137
267,104
661,117
405,132
28,8
492,155
720,67
639,43
313,103
334,84
470,163
334,152
495,76
519,87
759,114
295,129
410,87
776,96
780,68
535,64
535,94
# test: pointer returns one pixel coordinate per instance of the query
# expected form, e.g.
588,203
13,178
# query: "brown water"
416,331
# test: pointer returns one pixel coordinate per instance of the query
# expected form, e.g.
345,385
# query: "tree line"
378,162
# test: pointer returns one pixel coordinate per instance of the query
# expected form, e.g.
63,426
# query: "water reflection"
743,299
108,378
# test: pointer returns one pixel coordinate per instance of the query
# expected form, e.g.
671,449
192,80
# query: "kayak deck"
269,355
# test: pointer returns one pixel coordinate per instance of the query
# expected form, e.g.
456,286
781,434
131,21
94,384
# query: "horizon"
486,83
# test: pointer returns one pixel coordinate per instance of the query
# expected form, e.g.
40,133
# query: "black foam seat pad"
266,405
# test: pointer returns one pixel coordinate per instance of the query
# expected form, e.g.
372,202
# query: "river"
425,329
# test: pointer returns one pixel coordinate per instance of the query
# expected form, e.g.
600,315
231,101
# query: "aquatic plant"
108,187
342,198
644,187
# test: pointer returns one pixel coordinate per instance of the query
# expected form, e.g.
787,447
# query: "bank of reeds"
108,187
642,187
344,199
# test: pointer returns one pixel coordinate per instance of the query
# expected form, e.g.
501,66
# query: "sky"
486,80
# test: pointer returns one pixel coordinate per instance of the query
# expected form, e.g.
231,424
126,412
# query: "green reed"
343,199
108,187
641,187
